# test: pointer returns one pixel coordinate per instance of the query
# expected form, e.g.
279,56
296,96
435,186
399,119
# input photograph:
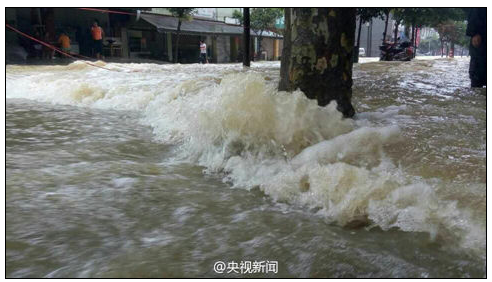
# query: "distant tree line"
262,20
448,22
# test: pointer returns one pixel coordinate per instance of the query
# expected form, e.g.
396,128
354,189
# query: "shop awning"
196,26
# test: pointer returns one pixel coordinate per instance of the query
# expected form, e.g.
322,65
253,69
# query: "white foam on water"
237,124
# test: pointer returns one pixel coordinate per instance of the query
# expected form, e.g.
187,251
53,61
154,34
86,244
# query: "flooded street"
162,170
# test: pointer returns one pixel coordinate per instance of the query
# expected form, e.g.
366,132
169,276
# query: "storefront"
150,36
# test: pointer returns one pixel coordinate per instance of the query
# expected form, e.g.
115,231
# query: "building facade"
371,35
136,33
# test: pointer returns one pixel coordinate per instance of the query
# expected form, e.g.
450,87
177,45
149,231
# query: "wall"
11,18
209,13
280,47
226,12
223,49
71,17
10,14
24,19
155,44
268,44
371,35
161,11
189,48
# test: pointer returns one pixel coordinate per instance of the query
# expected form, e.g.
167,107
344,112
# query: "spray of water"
237,124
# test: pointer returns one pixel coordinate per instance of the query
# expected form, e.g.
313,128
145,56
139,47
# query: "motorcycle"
396,52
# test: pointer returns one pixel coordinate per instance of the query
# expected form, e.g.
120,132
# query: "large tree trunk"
246,38
318,55
385,27
177,42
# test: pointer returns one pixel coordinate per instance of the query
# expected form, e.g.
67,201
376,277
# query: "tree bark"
246,38
177,42
318,55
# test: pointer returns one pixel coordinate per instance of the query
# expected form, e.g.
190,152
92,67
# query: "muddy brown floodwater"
163,170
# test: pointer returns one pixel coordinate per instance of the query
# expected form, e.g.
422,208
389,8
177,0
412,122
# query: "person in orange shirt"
64,42
97,39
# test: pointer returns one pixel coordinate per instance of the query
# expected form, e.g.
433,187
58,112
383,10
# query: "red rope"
107,11
53,47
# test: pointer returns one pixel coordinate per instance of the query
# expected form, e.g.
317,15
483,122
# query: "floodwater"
163,170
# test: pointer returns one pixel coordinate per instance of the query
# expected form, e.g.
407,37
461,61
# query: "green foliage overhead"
448,22
366,14
453,32
261,19
427,16
444,20
264,18
238,15
182,13
437,16
461,38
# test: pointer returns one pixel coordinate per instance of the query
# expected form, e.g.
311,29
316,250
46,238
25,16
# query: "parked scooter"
396,52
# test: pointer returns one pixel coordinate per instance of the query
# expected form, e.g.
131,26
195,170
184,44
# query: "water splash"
239,125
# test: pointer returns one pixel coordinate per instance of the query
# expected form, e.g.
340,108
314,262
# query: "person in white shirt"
203,52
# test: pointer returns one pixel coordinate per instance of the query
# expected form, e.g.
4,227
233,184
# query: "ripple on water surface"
129,173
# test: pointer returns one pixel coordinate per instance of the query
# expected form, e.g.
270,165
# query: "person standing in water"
97,40
477,30
203,52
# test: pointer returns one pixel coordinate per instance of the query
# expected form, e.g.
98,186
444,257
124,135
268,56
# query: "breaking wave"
236,124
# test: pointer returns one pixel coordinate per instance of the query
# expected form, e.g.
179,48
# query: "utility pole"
369,40
246,37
